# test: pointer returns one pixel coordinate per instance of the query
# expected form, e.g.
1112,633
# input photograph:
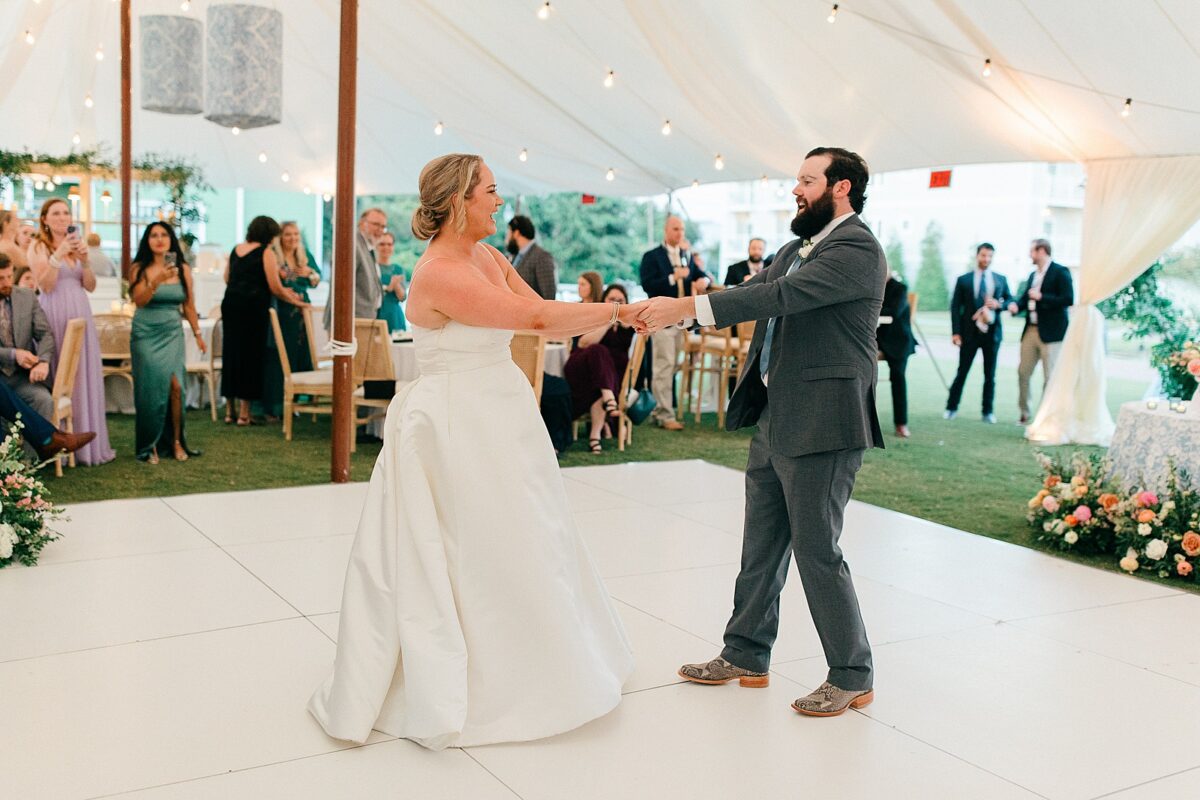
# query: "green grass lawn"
962,473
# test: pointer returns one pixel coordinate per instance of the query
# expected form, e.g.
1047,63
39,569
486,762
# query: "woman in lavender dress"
59,260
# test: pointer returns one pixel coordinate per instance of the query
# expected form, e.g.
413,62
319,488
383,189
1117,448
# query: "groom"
809,383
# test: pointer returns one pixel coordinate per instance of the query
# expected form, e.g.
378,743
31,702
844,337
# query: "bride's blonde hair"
442,180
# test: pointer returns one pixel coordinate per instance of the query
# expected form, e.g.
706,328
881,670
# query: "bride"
472,612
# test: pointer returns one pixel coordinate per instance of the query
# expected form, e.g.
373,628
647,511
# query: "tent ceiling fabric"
758,82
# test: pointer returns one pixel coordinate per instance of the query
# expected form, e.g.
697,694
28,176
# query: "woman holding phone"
160,285
58,257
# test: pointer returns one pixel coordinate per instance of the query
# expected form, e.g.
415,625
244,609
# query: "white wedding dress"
472,612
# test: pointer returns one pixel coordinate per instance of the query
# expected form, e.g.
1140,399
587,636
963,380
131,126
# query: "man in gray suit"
368,291
26,343
809,383
535,266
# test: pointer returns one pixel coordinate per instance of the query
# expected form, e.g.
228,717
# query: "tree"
1147,311
895,259
931,279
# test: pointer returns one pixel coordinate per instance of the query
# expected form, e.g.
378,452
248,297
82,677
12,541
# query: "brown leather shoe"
671,425
830,701
62,442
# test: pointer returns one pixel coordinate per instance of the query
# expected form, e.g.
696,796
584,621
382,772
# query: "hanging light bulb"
76,139
543,13
438,129
832,18
611,175
106,197
56,180
763,180
666,128
987,68
39,185
235,130
88,102
695,183
308,190
29,37
100,52
185,6
718,162
524,154
1128,107
262,157
327,197
610,79
285,177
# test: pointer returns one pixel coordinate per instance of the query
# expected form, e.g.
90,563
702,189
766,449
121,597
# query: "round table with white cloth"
118,392
404,360
1146,441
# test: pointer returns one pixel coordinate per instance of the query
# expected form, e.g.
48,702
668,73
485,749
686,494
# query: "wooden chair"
529,353
377,366
314,328
64,385
208,368
114,331
624,424
719,356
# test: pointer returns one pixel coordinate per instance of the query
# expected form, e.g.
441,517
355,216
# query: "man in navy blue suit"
1048,294
975,309
669,270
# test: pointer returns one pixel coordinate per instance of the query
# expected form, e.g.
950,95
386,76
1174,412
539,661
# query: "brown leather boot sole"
862,701
749,681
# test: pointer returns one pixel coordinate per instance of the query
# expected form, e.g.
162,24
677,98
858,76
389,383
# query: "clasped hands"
38,370
650,316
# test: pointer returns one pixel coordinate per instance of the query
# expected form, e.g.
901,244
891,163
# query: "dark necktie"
6,331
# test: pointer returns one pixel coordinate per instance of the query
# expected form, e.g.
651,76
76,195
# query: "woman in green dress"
392,277
161,288
299,272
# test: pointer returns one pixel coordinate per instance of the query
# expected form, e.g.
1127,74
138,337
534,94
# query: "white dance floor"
166,649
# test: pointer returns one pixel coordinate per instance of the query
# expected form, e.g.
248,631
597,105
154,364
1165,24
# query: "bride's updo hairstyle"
444,180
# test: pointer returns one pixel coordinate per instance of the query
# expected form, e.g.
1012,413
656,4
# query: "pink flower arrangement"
1193,367
1145,499
1083,513
1050,503
1184,568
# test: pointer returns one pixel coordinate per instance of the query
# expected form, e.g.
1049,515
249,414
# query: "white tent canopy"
757,82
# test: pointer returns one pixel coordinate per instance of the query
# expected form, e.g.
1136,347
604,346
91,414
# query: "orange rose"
1071,521
1146,515
1053,481
1109,501
1184,568
1191,544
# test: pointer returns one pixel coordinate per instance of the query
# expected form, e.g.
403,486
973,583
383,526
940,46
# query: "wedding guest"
1048,293
978,297
668,270
102,265
368,294
391,278
252,279
23,277
25,234
897,343
26,343
743,271
535,266
10,230
160,285
595,368
59,259
299,272
591,285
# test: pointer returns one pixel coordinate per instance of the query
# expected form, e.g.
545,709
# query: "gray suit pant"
796,505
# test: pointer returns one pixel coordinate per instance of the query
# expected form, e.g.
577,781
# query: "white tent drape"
1133,210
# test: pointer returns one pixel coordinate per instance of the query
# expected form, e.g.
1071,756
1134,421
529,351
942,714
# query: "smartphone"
170,260
72,230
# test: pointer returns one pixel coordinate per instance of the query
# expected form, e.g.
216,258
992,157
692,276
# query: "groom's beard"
512,247
811,221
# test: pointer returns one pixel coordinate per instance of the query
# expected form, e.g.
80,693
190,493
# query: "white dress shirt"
674,255
704,314
1038,276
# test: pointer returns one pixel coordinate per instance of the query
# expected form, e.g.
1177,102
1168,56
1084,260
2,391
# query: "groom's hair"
845,165
522,225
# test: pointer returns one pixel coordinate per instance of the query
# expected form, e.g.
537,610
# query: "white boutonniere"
806,247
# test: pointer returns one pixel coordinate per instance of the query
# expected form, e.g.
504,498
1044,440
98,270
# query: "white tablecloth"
118,394
404,360
1146,441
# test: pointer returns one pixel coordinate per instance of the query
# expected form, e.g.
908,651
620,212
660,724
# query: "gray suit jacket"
823,355
31,330
368,291
537,268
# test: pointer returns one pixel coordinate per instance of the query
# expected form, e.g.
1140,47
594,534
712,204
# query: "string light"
326,197
308,190
832,18
262,157
718,162
100,52
56,180
88,102
524,154
39,185
185,6
987,68
29,37
1128,107
666,128
285,177
764,179
695,183
438,129
75,139
610,79
235,130
543,13
611,175
106,197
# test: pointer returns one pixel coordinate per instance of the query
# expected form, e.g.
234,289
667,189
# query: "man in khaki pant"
668,270
1048,293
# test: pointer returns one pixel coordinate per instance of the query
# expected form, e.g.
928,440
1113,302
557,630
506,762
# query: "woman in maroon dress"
595,369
